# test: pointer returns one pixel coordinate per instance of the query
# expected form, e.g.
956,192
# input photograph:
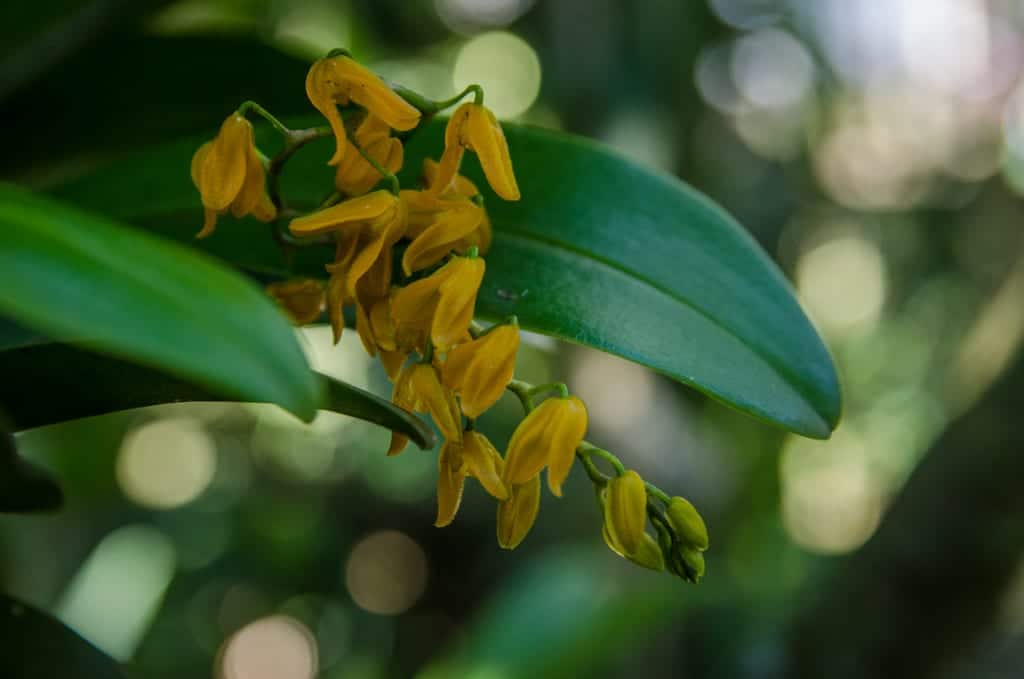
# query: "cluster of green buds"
410,262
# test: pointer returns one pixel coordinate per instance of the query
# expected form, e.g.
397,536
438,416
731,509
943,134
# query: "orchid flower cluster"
410,262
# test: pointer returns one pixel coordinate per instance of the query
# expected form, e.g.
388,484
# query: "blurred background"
875,148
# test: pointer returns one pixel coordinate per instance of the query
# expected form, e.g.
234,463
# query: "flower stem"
266,115
392,180
430,107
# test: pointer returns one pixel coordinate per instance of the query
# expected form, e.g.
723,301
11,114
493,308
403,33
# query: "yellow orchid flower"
686,521
229,174
517,514
625,517
301,299
475,456
548,436
478,371
418,388
442,302
474,127
356,175
337,80
379,218
460,188
450,227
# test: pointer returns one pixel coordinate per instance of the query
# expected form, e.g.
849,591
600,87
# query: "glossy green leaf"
600,251
72,275
49,383
35,644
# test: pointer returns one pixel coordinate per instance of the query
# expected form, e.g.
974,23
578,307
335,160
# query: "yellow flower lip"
339,79
548,436
474,127
355,211
473,456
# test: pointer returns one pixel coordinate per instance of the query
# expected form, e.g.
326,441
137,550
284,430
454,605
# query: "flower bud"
687,523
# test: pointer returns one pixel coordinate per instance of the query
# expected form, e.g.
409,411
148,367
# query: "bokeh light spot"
276,647
843,282
166,463
386,573
831,499
505,66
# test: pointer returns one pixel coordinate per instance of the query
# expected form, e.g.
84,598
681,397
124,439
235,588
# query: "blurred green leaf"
49,383
133,90
559,617
34,644
600,252
75,276
35,36
23,486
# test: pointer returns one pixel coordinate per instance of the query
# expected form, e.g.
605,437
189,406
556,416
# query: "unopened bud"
687,523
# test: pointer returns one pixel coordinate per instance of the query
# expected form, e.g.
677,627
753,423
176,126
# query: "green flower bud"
687,523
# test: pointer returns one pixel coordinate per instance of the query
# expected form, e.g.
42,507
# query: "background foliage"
878,166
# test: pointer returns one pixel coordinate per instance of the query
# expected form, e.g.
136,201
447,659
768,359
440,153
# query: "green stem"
591,449
596,477
430,107
560,387
522,391
390,178
265,114
294,140
657,492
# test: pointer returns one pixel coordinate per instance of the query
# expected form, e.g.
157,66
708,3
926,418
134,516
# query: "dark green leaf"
35,36
35,645
600,251
134,90
75,276
49,383
23,486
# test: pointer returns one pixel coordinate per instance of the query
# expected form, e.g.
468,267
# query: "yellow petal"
253,199
450,482
382,324
549,435
456,302
434,398
301,299
483,462
222,171
403,396
625,511
323,87
488,141
364,328
365,88
356,175
480,370
374,259
209,223
438,239
198,158
355,211
454,147
517,514
392,362
335,299
566,436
